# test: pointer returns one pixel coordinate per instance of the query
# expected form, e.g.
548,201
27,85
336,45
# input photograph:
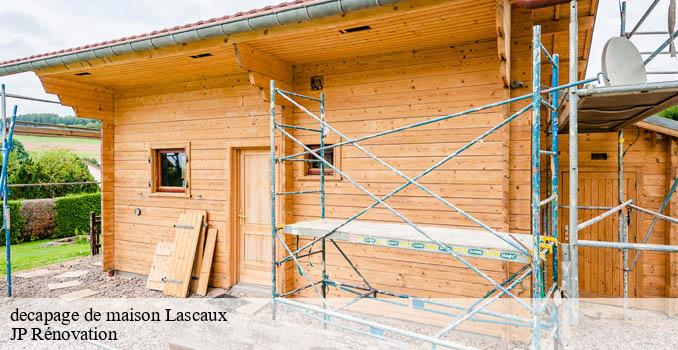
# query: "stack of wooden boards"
184,264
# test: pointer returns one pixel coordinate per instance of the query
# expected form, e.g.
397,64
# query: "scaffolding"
7,136
9,128
531,249
544,224
655,96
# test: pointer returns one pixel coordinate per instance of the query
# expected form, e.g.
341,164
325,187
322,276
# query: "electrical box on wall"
317,83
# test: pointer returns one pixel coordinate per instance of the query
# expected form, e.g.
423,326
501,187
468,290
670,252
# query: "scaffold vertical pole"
537,277
322,193
555,71
274,226
323,243
5,221
573,220
622,16
621,224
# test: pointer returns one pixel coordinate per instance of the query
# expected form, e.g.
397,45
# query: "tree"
61,165
57,165
55,119
671,113
20,170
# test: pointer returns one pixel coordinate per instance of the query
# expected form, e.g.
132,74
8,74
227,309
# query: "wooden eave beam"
88,101
504,40
262,68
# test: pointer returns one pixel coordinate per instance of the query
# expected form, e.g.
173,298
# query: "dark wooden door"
600,270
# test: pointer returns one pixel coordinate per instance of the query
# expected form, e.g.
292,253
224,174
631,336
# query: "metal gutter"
285,15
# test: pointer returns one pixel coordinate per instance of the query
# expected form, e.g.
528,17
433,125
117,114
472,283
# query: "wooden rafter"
263,68
504,39
88,101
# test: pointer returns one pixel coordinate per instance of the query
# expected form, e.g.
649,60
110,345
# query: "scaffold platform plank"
607,109
464,241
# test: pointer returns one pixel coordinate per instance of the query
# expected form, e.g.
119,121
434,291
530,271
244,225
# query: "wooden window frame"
336,162
154,170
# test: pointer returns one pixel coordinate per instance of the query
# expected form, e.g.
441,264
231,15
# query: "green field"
30,255
87,148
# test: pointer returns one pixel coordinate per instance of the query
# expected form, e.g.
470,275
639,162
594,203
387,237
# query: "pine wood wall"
375,93
213,115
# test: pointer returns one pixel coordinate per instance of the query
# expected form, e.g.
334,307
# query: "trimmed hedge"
16,221
71,213
51,218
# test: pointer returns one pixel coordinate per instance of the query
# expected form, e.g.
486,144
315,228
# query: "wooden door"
600,269
254,217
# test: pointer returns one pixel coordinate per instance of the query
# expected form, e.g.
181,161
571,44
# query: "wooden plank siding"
380,92
672,231
648,158
214,116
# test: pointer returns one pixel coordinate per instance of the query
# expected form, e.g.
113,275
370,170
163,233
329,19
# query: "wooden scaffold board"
207,258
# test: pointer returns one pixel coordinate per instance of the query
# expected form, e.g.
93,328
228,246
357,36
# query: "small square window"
169,169
314,168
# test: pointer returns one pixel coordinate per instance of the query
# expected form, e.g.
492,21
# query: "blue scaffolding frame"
543,316
7,145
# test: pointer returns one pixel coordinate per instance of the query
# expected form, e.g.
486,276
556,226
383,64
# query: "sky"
38,26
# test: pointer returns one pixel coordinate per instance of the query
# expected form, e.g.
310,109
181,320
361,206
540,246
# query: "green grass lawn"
29,255
88,148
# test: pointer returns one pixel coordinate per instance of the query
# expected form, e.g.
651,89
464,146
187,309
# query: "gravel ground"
293,316
119,286
122,285
604,327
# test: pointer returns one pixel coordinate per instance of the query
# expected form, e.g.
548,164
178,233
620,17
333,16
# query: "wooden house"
185,115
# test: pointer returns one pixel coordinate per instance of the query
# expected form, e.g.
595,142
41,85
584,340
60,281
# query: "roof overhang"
286,13
410,27
661,125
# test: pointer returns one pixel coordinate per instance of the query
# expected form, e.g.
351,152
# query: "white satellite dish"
622,63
